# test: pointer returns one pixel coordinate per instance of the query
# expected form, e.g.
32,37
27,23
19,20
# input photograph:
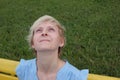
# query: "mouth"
44,40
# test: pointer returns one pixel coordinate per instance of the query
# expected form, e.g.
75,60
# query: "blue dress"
27,70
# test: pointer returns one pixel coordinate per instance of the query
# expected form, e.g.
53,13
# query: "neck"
47,62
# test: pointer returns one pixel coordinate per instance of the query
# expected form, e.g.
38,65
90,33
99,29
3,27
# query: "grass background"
92,31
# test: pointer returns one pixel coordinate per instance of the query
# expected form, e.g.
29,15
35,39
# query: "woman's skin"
46,41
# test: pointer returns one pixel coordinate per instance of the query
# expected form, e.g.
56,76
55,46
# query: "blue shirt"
27,70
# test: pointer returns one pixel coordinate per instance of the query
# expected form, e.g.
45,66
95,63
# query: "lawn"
92,31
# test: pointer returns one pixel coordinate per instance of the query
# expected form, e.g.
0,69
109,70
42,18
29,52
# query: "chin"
45,49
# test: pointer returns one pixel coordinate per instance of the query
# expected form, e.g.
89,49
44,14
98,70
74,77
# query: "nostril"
44,34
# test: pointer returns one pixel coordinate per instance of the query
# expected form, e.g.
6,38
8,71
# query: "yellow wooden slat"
8,66
7,77
101,77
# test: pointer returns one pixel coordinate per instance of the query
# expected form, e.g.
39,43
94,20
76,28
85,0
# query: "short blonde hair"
46,18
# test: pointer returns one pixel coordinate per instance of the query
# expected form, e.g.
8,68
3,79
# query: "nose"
44,33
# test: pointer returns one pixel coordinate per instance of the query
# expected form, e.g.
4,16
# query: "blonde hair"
42,19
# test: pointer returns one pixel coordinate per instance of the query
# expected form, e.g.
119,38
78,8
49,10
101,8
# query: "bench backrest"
7,71
101,77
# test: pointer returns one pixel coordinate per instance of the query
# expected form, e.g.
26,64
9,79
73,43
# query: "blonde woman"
47,39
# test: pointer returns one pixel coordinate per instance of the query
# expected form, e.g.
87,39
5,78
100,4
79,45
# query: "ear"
62,42
32,44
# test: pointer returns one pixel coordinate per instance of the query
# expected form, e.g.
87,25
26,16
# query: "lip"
45,40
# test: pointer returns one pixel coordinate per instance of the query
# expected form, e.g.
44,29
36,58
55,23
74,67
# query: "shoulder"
72,73
25,67
25,63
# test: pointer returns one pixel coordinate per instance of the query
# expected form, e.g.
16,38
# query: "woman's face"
46,37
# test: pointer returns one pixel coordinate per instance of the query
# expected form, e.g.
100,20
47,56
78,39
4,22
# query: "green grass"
93,31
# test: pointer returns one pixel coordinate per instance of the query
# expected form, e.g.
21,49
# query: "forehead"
46,24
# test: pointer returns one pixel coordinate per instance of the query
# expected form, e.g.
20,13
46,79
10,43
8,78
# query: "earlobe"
62,45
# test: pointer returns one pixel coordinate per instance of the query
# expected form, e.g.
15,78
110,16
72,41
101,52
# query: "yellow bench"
7,71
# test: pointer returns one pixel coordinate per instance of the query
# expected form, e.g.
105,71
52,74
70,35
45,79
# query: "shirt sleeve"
70,72
20,70
84,74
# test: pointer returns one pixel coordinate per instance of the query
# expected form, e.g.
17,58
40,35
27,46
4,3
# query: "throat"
47,67
47,71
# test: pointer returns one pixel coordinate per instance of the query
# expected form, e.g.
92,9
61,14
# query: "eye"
51,29
38,30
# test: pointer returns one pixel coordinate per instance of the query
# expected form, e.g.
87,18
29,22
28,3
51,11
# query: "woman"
47,39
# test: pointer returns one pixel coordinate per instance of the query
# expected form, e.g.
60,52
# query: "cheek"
35,37
58,38
60,41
